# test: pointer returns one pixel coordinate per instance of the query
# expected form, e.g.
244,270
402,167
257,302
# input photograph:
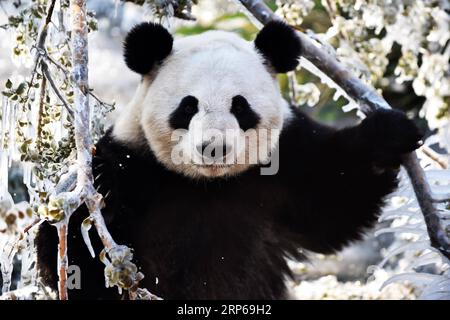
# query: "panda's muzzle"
213,152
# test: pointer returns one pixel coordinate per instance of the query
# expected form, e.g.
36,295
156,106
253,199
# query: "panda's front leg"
350,174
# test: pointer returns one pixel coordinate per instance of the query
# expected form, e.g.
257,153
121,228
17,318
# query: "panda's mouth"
213,165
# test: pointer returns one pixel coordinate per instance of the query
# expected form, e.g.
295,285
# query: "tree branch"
48,76
42,96
433,155
62,259
368,100
85,191
66,74
40,43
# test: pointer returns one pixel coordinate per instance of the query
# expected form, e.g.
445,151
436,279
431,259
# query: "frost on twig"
57,183
120,271
54,196
181,9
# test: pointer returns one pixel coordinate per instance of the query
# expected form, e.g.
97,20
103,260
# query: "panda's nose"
213,151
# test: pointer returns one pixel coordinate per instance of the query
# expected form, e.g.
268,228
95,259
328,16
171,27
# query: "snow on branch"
168,8
74,187
368,100
120,271
56,196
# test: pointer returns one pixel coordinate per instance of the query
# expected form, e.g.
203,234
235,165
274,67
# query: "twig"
99,100
56,63
40,44
292,93
62,259
46,72
369,100
433,155
42,96
32,224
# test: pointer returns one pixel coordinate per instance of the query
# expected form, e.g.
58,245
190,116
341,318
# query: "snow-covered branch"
368,100
120,270
63,195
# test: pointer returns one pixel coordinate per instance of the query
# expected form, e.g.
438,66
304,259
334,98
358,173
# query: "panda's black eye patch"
182,115
246,117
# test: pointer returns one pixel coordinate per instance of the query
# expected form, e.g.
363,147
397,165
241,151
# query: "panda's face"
212,108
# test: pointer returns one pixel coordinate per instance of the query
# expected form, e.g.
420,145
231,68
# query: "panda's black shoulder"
123,171
123,159
120,156
301,139
111,158
299,127
111,148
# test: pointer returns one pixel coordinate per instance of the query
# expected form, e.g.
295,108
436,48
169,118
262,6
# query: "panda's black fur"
227,238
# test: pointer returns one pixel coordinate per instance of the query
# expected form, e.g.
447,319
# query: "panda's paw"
391,133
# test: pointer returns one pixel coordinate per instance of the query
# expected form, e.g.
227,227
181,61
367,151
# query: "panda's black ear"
145,46
280,45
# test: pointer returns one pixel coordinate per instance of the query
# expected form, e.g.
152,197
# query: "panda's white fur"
214,67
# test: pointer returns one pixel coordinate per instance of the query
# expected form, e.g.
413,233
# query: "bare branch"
369,100
433,155
56,63
35,222
49,77
96,98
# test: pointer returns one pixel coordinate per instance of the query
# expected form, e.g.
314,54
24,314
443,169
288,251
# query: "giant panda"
205,228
